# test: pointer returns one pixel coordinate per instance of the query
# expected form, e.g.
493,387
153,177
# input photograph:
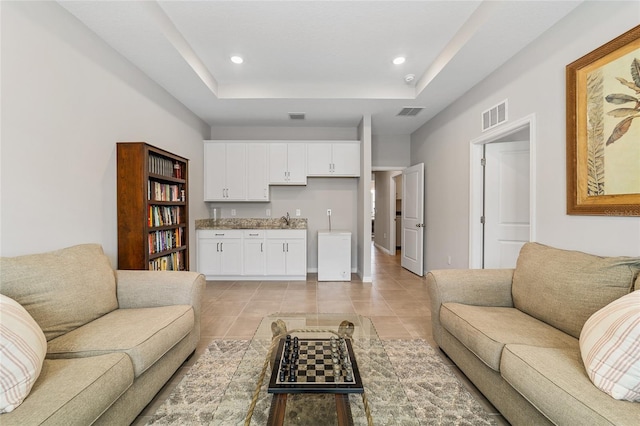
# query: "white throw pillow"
22,351
610,348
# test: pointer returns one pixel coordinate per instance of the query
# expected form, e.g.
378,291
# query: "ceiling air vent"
494,116
410,111
296,115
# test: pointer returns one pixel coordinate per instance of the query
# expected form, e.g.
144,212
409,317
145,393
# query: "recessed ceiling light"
237,59
399,60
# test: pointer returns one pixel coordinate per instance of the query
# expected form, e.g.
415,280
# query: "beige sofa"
514,333
113,338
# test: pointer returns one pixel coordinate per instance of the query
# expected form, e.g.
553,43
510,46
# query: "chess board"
315,366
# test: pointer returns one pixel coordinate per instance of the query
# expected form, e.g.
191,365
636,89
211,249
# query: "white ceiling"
329,59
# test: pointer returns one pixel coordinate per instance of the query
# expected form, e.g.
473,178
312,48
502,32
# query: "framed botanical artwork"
603,129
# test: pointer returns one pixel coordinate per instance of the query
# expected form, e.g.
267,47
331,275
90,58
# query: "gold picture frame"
603,129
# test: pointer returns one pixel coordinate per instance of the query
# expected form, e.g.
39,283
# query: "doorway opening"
502,194
385,234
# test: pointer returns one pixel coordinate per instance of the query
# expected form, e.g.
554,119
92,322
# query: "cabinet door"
209,256
254,256
231,256
297,163
346,159
214,171
276,257
296,257
319,159
236,171
257,172
278,163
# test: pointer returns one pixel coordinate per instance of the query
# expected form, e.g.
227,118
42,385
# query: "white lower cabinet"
219,252
253,254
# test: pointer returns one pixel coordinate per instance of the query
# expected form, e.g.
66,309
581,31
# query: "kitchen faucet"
287,219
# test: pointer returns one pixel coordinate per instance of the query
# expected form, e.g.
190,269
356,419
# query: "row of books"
165,167
165,215
171,262
164,192
160,241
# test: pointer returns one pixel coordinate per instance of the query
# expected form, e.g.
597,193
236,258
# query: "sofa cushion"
22,351
63,289
74,391
145,334
485,330
610,348
554,381
564,288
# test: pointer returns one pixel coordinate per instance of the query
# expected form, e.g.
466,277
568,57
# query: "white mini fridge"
334,256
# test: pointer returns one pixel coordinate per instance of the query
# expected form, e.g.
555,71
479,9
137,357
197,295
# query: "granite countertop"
250,223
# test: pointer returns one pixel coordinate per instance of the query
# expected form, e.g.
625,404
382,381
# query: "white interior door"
413,219
507,222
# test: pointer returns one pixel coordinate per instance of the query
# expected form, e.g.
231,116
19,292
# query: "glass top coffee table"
383,399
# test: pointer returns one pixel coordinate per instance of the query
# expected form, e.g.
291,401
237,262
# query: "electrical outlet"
268,212
328,212
233,212
297,212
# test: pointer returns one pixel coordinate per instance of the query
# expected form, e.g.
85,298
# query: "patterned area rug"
406,383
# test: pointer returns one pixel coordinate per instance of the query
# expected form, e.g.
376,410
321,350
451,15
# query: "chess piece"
346,329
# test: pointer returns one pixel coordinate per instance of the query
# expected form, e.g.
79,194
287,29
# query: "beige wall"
67,98
534,83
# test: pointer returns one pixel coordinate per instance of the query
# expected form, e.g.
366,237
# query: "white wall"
364,200
534,83
283,133
390,151
67,98
313,200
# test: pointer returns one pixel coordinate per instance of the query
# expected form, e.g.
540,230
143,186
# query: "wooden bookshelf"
153,208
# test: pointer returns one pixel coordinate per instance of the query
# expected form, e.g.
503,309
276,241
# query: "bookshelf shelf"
153,208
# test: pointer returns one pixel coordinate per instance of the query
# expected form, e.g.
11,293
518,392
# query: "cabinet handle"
261,247
217,247
287,247
221,247
253,235
283,247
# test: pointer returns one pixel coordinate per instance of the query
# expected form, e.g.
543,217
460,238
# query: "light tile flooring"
397,302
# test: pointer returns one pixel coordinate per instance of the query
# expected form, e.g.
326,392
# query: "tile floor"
397,302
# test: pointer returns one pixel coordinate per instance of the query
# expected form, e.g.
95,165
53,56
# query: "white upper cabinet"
257,172
225,175
287,163
339,158
236,171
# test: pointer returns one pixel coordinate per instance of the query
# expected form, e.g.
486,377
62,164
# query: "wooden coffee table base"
279,406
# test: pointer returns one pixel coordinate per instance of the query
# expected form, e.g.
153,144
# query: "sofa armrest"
480,287
146,289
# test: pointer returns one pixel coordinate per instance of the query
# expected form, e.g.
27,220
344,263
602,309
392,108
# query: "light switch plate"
297,212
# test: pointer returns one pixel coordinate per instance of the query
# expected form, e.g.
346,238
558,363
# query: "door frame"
476,184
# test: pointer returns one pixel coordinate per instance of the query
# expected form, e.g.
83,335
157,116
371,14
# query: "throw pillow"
610,348
22,350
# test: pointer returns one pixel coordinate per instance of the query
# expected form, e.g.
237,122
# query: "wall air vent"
296,115
410,111
494,116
